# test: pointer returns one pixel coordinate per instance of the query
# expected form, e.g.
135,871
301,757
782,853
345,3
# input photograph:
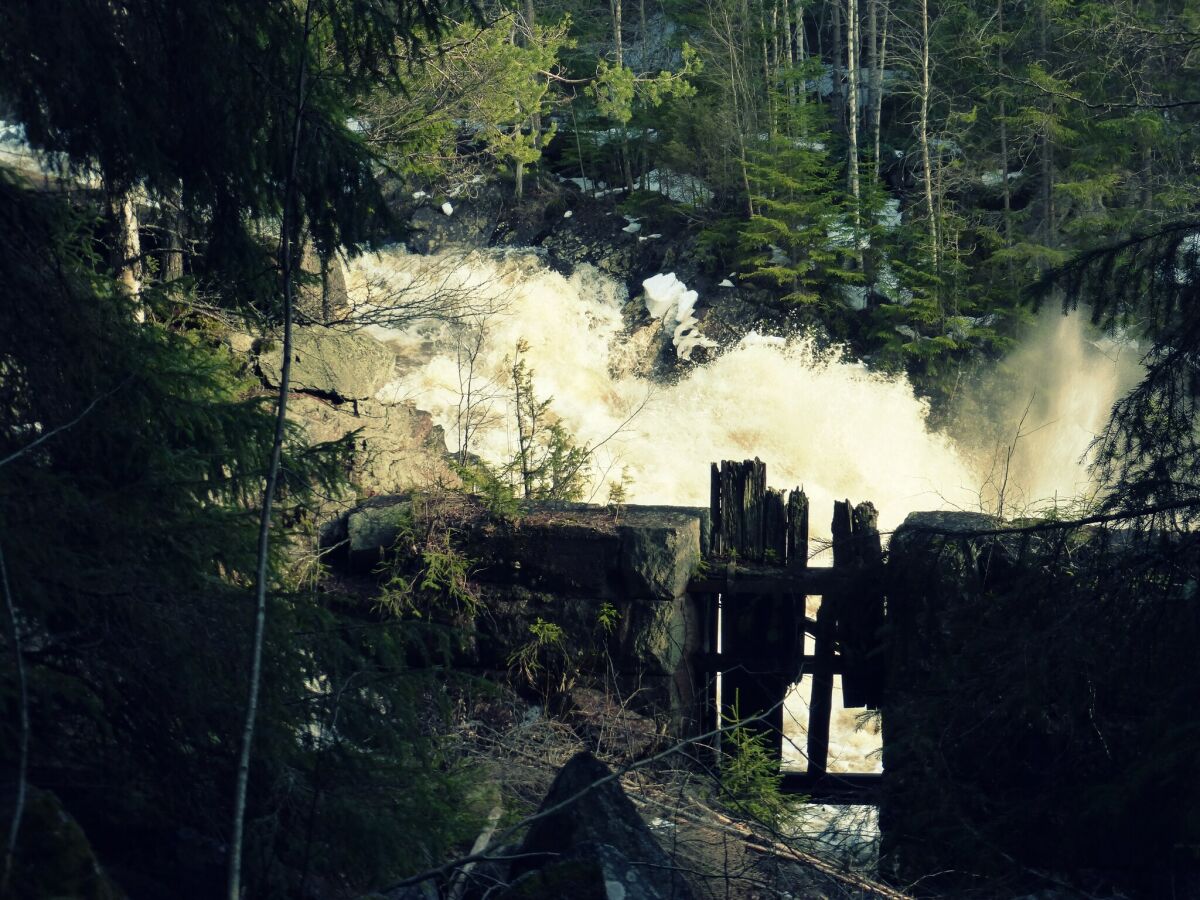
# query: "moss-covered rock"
54,858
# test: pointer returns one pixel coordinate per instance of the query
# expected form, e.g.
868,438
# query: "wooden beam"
820,703
806,582
792,668
845,788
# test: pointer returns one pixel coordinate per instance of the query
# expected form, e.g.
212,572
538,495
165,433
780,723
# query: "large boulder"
454,222
660,550
398,447
609,725
53,857
332,363
591,842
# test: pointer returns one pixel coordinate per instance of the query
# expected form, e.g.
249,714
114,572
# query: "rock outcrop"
397,448
54,858
591,842
332,363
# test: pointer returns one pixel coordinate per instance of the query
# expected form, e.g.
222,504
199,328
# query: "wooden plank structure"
758,578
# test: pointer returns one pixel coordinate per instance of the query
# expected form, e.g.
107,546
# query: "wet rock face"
592,843
325,298
470,222
398,447
657,559
333,363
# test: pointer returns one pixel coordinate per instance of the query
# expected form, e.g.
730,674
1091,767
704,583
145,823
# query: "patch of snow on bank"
679,186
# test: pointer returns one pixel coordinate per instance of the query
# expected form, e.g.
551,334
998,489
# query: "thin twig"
61,428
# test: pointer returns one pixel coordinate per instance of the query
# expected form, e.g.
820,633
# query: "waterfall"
818,419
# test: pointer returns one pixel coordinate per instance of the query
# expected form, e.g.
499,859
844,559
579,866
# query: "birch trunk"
1004,133
619,49
852,108
923,135
127,249
877,77
289,230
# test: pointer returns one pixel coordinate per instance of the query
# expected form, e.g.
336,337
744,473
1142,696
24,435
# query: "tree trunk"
852,109
172,264
535,119
801,51
838,102
288,252
619,49
877,78
789,46
1047,144
923,135
14,827
739,125
127,249
1003,117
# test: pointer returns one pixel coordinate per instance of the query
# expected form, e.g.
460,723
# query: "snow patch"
678,186
664,293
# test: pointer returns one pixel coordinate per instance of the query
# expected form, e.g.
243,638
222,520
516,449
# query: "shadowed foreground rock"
595,847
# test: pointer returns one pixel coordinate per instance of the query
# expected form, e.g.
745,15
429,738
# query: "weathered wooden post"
760,634
860,617
820,703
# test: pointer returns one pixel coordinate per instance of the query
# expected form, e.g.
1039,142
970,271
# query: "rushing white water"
1029,425
817,420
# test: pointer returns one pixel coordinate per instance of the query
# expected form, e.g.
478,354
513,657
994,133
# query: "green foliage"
549,465
543,661
497,492
163,95
427,575
608,617
750,776
618,492
789,241
616,89
468,102
130,541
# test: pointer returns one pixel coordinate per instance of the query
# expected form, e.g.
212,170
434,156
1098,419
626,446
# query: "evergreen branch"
1090,104
53,431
